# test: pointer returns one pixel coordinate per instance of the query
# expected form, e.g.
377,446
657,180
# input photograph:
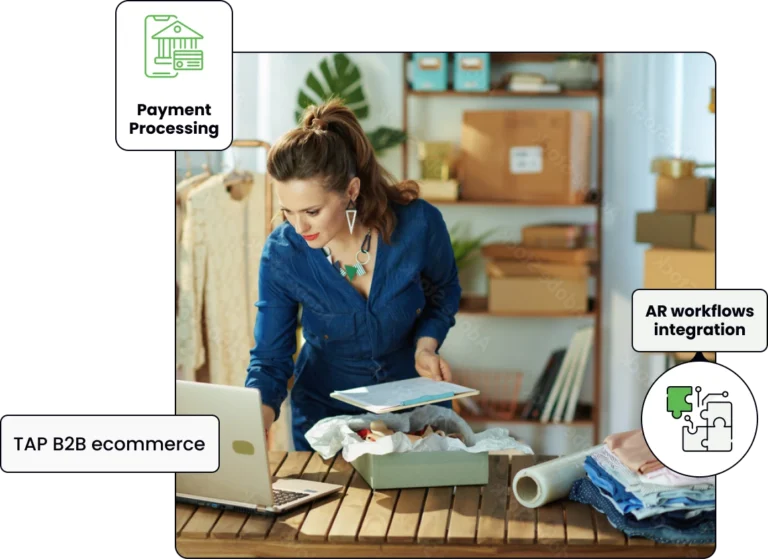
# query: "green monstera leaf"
384,138
341,78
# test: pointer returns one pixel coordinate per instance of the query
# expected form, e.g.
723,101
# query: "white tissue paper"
332,434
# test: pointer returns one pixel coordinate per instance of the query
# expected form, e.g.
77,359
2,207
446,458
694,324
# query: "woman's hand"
431,365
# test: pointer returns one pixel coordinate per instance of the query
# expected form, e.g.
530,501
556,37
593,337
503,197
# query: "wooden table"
471,521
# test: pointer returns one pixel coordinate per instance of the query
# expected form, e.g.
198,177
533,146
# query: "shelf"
477,305
509,203
519,57
505,93
583,416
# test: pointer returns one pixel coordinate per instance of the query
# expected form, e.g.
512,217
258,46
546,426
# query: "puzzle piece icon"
676,402
693,439
718,439
718,410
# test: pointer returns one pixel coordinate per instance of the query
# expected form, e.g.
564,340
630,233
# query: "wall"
657,106
645,116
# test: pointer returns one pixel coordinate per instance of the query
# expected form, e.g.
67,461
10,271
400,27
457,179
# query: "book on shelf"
562,398
534,87
543,385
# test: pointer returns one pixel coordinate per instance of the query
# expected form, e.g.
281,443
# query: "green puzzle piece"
676,400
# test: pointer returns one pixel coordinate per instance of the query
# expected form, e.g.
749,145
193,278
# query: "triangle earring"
351,212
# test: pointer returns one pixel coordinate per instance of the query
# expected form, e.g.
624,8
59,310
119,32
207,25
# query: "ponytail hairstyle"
330,145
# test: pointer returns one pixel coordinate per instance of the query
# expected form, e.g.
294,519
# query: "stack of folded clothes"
641,497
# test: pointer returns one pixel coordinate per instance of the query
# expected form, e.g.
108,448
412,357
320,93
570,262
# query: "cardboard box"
526,156
505,268
522,253
688,355
665,229
667,268
553,235
550,291
689,194
439,190
401,470
704,231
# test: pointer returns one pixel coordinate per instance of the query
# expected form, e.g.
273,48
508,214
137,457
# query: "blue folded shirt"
662,528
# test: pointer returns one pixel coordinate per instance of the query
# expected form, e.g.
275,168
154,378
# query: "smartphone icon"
158,58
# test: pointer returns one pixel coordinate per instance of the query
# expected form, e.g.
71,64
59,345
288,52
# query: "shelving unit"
475,306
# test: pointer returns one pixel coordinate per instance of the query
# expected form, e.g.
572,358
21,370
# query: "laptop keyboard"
282,497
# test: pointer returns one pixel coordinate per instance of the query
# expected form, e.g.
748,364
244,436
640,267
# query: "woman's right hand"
268,415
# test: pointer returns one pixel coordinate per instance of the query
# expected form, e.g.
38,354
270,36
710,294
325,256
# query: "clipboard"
402,394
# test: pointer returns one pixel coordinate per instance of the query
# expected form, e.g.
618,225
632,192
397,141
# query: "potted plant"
341,78
465,247
575,70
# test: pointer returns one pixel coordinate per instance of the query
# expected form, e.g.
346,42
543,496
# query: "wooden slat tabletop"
465,521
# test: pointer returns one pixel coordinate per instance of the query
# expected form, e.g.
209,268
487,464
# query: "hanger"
268,184
207,165
238,182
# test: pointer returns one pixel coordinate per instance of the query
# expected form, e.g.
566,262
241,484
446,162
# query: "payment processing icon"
170,47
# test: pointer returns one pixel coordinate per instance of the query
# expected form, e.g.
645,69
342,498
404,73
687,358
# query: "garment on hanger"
221,247
183,189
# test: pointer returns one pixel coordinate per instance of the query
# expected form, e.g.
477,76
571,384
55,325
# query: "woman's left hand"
431,365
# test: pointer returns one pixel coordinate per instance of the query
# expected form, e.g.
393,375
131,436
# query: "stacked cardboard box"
539,156
682,234
547,274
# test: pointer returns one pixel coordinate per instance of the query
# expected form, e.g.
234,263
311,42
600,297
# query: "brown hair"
330,145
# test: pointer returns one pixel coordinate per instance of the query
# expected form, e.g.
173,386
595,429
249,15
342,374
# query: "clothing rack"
267,184
268,201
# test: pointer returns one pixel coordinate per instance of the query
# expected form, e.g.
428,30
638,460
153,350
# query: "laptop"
243,482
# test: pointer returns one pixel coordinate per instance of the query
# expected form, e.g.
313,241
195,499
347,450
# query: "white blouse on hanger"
183,190
221,246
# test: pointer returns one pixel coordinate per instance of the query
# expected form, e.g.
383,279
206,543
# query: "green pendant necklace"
358,269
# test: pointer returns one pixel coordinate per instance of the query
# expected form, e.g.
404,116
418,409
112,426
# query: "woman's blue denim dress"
350,341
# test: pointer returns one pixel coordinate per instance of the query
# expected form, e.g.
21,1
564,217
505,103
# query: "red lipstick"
311,237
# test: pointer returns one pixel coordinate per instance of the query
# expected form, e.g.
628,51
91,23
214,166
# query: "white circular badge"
699,419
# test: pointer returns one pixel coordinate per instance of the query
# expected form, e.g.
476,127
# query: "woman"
370,264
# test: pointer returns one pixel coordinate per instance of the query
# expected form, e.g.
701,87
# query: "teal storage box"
429,71
401,470
472,71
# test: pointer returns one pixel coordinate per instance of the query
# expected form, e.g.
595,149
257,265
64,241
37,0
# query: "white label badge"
174,75
109,443
699,320
526,160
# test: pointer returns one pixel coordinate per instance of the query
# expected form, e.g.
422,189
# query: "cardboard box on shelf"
549,292
704,231
522,253
667,268
505,268
553,235
526,156
688,355
690,194
439,190
665,229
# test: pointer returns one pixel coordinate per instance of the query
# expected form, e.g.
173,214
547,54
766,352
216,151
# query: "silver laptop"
243,481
